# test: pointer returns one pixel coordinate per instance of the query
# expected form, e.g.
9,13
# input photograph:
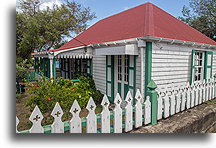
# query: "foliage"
22,69
45,93
43,29
202,16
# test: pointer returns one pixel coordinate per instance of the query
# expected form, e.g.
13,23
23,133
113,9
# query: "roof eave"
173,41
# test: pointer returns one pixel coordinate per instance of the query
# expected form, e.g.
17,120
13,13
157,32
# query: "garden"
46,92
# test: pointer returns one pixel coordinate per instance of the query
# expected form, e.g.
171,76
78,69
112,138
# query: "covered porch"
68,64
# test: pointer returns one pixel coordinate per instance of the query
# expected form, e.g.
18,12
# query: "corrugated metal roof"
143,20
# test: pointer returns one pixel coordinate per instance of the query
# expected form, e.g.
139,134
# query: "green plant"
22,69
46,92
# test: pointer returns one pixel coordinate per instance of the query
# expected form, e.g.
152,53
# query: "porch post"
148,65
141,45
51,57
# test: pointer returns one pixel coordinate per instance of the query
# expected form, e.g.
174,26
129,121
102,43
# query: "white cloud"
49,3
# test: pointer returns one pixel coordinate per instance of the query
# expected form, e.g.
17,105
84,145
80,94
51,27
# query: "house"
125,51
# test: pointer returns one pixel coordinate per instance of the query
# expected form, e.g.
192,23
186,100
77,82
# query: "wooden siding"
172,63
138,70
99,72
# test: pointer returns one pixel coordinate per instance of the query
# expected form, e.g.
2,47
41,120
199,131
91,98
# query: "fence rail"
169,101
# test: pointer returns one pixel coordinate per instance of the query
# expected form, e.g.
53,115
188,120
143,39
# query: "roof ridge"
149,20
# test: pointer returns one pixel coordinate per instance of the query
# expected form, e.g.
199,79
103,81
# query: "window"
201,67
126,69
119,67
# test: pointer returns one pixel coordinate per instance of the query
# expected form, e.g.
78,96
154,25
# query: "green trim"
192,67
148,64
154,103
206,66
111,98
54,68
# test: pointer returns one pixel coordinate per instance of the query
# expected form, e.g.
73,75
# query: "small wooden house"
125,51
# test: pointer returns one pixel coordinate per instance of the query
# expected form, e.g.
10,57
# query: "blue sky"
105,8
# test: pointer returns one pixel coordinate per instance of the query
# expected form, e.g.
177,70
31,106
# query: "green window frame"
201,60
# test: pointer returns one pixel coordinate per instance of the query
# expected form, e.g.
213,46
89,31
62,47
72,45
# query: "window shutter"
132,74
208,65
192,66
110,77
89,67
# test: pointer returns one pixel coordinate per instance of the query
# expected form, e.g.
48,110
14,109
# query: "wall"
99,72
172,63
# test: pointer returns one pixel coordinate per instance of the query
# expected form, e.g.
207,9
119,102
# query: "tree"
202,16
44,29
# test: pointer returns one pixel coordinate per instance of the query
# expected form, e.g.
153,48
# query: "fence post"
214,86
153,98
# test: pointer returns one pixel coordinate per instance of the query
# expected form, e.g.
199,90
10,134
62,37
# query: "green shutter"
208,65
110,77
89,67
132,75
192,67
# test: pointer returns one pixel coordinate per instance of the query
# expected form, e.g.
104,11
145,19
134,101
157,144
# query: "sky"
105,8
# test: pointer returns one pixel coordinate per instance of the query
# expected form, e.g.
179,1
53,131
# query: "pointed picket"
213,87
75,122
91,119
138,109
207,90
36,118
188,96
172,100
196,90
117,114
204,91
160,106
210,89
128,112
105,115
17,122
192,95
58,125
200,93
147,112
166,106
183,99
178,102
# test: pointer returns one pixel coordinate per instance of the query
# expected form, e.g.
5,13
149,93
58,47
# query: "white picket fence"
174,99
122,118
171,100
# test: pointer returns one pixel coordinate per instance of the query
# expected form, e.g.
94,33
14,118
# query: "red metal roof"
143,20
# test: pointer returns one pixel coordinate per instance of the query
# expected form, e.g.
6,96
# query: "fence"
157,105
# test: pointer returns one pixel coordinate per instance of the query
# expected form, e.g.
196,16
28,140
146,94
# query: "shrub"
46,92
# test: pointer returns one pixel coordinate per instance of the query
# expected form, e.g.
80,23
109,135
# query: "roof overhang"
179,42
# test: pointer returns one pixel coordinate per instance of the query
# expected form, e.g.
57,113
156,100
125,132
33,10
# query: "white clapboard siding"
75,122
147,111
105,115
117,114
58,125
99,72
91,119
36,118
138,109
17,122
128,112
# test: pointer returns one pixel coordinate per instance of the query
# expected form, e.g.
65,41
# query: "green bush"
46,92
